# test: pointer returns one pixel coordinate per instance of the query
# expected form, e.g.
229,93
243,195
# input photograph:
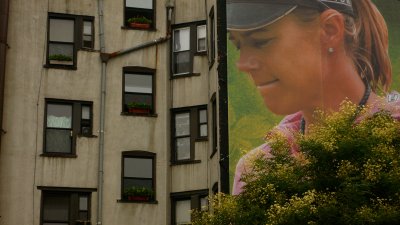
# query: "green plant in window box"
138,194
139,108
140,22
60,59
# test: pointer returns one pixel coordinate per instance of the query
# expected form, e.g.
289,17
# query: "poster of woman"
289,58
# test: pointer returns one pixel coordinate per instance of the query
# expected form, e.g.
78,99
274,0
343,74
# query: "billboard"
254,110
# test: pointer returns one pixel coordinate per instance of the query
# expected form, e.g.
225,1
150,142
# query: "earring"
331,50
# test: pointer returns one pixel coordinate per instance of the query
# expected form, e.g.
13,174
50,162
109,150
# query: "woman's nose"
247,63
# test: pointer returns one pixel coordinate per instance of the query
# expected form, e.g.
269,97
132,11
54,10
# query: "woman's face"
284,61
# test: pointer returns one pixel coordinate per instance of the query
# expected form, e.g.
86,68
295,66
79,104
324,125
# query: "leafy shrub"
345,172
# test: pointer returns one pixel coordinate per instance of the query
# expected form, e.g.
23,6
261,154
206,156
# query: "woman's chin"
280,108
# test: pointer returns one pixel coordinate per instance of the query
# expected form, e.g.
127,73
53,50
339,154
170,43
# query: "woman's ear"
332,26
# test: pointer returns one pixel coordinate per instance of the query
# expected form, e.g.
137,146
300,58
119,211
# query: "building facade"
110,111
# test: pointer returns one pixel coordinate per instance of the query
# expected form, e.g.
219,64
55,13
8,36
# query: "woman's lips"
265,84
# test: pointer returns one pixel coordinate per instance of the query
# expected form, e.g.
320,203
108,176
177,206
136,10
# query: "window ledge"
138,114
61,155
87,136
136,202
183,162
200,139
177,76
202,53
143,29
63,67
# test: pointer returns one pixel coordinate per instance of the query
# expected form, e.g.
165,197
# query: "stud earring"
331,50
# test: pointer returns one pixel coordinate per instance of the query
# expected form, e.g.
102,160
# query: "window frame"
211,46
76,124
194,197
193,27
77,38
73,195
214,117
139,71
193,129
142,155
125,18
205,38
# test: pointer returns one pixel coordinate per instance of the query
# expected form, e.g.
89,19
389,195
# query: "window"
66,34
214,126
65,207
139,9
212,36
65,120
203,128
138,176
138,94
201,38
184,48
188,126
87,34
184,202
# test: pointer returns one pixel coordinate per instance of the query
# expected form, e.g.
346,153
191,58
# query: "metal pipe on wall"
102,116
4,8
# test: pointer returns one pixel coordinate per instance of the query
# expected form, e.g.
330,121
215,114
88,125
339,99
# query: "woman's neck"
340,81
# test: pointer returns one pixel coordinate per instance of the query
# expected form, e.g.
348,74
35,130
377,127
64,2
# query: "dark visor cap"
253,14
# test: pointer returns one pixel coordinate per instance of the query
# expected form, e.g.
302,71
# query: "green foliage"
140,105
139,19
60,57
345,172
138,191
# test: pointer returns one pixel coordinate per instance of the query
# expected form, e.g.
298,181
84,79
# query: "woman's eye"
260,43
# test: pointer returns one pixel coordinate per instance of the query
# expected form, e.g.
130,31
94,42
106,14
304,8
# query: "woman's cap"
253,14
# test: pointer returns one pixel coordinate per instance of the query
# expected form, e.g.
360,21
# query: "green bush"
345,172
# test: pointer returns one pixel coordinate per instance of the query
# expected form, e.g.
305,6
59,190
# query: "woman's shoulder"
393,104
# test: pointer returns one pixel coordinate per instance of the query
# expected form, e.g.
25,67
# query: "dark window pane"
203,116
62,30
182,124
139,98
83,202
83,215
58,141
56,208
182,62
61,53
59,115
131,182
182,211
55,223
144,4
201,38
138,167
203,130
131,12
183,148
182,39
138,83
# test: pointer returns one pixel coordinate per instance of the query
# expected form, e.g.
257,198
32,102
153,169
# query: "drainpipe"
102,117
107,56
4,5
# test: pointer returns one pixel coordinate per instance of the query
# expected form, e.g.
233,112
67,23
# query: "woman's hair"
366,40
